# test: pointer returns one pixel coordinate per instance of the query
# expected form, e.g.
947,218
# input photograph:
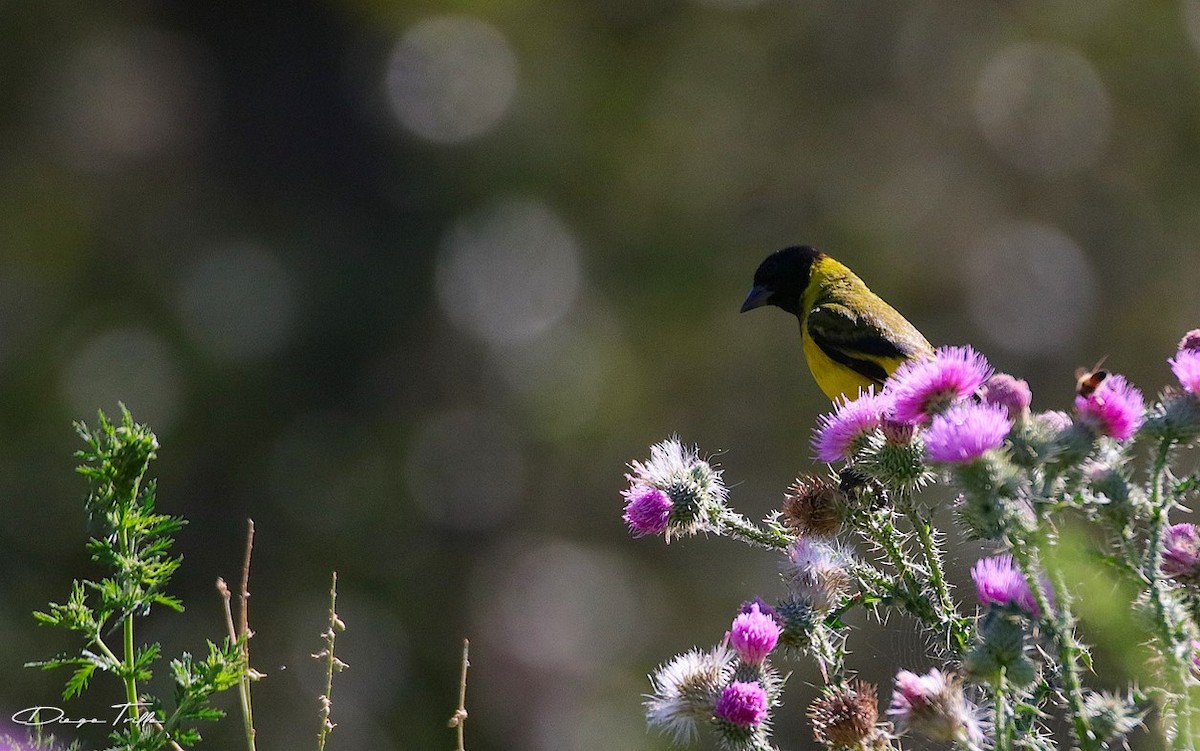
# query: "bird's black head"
781,278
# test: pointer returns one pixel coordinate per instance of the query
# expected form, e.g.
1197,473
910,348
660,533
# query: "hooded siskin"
852,338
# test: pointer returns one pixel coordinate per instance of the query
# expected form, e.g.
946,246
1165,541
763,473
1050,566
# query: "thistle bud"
934,706
674,493
814,506
845,716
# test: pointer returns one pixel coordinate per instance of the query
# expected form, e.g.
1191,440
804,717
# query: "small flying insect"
1088,380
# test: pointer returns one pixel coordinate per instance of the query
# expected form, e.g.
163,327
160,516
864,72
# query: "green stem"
244,700
947,611
131,692
1004,728
826,654
739,527
1169,635
883,533
1158,518
1059,622
244,635
459,720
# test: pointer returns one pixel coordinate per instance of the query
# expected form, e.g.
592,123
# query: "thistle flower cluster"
1009,660
730,688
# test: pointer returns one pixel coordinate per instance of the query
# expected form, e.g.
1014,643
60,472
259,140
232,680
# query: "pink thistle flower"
965,432
998,581
742,703
1181,551
753,635
851,419
647,510
1114,409
690,485
1186,367
1054,421
1011,393
922,388
933,705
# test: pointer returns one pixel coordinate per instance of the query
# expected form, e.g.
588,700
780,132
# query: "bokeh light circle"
451,78
129,95
238,302
1044,108
561,607
1032,288
465,470
563,377
509,272
132,365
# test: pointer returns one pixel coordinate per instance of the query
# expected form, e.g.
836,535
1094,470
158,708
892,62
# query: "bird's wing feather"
857,341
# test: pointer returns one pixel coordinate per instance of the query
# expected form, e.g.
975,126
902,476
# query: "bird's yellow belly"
834,378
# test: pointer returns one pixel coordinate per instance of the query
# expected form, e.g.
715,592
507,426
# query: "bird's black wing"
856,341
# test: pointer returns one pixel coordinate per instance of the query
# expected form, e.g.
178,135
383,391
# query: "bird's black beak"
758,297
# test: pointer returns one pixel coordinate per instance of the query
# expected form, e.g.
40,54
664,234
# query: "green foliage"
133,543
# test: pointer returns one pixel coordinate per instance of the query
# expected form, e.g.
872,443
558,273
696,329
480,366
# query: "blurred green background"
409,283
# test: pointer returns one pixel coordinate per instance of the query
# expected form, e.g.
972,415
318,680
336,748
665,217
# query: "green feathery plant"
133,542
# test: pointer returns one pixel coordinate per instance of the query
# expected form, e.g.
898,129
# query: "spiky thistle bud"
846,716
685,691
895,465
798,621
987,506
814,506
933,705
1002,650
816,572
1176,415
691,485
1112,717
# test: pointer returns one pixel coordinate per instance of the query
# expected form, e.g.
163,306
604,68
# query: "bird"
852,339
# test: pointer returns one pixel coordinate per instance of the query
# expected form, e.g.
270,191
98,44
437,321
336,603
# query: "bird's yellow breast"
832,282
832,377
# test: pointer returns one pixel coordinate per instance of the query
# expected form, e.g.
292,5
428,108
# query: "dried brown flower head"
814,506
845,716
